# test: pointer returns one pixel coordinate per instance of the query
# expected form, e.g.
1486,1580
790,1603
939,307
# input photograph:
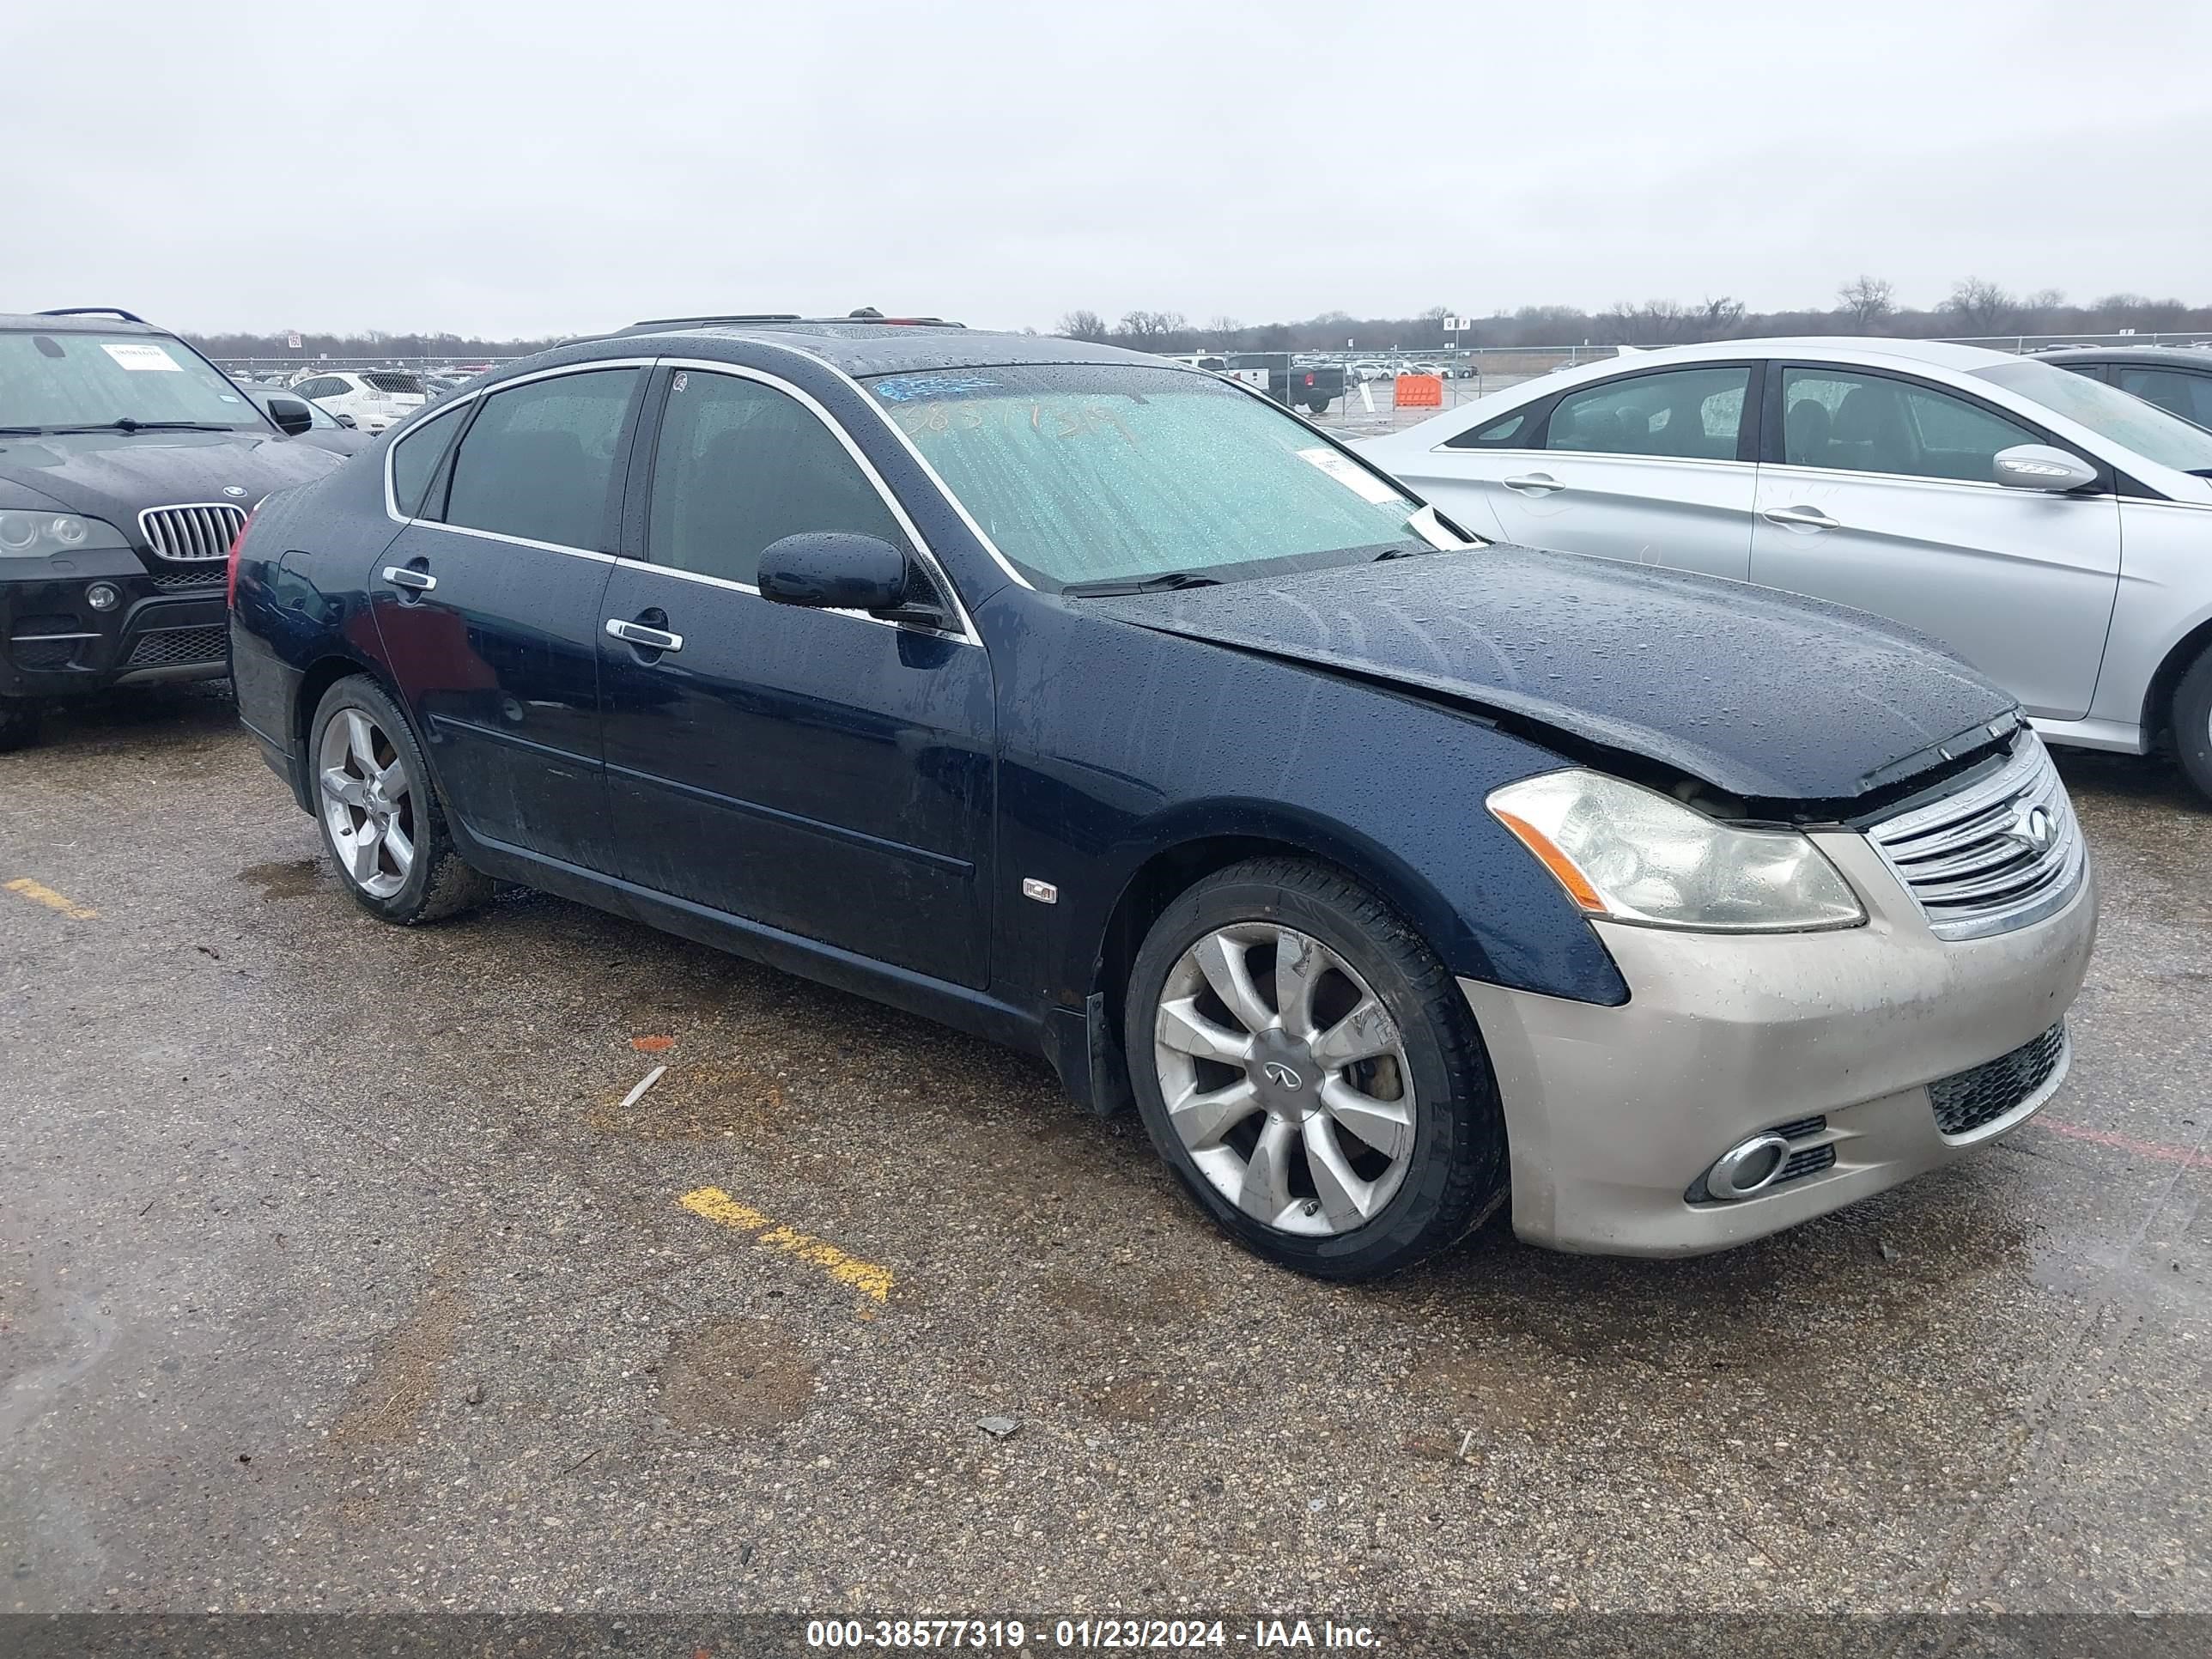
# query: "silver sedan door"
1877,490
1652,468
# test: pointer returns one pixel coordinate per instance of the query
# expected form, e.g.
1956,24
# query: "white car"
2051,530
375,397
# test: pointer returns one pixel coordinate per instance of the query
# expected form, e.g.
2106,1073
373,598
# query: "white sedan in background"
2052,530
375,398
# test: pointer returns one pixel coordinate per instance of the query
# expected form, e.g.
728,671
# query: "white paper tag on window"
141,354
1349,473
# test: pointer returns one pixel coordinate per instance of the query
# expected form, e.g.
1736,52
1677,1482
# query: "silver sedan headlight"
1633,854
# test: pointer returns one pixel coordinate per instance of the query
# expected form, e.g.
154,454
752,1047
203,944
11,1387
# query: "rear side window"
539,462
740,466
1690,413
414,459
1871,423
1508,432
2176,391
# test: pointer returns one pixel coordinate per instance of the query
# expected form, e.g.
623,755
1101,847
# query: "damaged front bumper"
1615,1115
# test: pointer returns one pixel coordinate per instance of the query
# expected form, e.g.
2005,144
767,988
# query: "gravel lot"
334,1273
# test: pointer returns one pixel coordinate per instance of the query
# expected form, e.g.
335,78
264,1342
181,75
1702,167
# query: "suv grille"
1967,1100
175,648
203,531
1999,853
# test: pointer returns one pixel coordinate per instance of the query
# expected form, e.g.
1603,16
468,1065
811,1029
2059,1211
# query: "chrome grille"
202,529
1973,859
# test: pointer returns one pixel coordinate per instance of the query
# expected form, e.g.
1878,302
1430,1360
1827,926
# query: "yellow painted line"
39,893
718,1205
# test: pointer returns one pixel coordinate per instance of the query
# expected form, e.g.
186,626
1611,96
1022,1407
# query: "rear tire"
2192,723
1363,1027
383,824
19,724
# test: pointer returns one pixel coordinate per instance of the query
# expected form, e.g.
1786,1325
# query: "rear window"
393,382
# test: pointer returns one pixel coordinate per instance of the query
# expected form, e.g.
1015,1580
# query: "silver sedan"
2053,531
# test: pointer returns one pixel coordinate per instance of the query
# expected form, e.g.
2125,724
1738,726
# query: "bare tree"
1144,328
1868,300
1981,305
1082,325
1721,315
2045,299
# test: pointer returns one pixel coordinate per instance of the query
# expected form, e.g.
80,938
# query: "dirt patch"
739,1375
285,879
1127,1298
697,1102
383,1409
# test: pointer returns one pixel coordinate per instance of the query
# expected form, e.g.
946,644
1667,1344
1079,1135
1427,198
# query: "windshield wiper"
126,424
1149,584
21,431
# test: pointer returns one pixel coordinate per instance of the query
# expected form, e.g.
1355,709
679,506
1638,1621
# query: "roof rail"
98,311
866,314
652,323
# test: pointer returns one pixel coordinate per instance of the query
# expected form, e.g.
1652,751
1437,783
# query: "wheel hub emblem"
1282,1076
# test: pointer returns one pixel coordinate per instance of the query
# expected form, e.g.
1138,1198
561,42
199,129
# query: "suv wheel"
1310,1069
19,724
2192,722
382,817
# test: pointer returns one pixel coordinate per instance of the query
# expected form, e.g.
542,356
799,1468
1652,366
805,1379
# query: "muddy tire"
1311,1072
2192,723
382,821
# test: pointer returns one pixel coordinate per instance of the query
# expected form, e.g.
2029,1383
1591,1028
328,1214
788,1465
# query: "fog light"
102,596
1747,1167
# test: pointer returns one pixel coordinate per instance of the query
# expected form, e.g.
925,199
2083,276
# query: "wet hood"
1756,692
115,476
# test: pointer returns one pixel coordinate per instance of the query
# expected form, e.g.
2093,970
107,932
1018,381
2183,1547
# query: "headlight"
1631,853
27,534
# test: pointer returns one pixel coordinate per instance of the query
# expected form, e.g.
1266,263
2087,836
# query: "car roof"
861,349
42,322
2195,358
1944,354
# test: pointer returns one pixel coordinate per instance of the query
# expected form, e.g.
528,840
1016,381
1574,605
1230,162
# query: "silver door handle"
645,639
400,576
1535,483
1800,518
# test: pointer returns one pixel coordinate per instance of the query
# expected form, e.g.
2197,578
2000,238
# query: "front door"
1883,496
489,605
821,773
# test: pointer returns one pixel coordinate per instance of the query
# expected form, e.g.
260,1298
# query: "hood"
115,476
1756,692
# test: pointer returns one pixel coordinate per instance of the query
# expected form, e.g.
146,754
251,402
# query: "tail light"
230,571
1308,377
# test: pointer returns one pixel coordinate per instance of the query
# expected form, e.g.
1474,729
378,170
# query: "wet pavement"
336,1273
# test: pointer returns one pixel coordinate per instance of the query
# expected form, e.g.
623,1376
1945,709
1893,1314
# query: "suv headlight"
1632,855
31,533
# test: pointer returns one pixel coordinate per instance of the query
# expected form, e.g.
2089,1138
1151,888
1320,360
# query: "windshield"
2110,413
68,379
1092,472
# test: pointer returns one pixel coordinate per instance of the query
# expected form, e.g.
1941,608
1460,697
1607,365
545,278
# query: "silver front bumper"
1613,1113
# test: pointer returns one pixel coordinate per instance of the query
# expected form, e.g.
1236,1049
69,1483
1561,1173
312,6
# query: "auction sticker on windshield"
1349,473
137,355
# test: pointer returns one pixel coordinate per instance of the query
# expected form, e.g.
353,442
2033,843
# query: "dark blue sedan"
1101,706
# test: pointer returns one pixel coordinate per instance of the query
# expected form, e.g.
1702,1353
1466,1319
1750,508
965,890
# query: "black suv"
127,462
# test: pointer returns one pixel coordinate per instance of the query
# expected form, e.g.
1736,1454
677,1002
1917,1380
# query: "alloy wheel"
1285,1079
368,803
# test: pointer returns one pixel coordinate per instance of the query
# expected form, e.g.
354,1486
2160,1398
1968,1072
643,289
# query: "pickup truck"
1316,385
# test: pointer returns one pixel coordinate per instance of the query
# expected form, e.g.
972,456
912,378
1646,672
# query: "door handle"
1535,483
399,575
1800,518
644,638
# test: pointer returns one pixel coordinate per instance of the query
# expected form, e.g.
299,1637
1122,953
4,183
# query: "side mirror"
2041,466
347,421
834,570
291,415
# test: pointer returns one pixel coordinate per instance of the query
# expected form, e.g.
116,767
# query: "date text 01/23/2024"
1147,1634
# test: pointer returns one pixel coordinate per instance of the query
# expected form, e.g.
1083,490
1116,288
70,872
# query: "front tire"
2192,723
1311,1071
382,822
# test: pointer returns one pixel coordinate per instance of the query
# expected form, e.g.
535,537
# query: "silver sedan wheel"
1285,1079
368,803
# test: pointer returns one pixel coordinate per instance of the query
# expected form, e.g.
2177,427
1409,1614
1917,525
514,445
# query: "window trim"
1773,453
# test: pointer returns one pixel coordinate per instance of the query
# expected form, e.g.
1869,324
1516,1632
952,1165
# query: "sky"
559,167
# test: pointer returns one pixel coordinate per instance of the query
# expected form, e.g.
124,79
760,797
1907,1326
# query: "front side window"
1871,423
2176,391
1689,413
1097,472
539,461
415,459
63,380
741,465
2109,412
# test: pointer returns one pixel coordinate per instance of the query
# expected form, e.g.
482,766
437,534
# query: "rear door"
1877,490
488,603
821,772
1656,467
